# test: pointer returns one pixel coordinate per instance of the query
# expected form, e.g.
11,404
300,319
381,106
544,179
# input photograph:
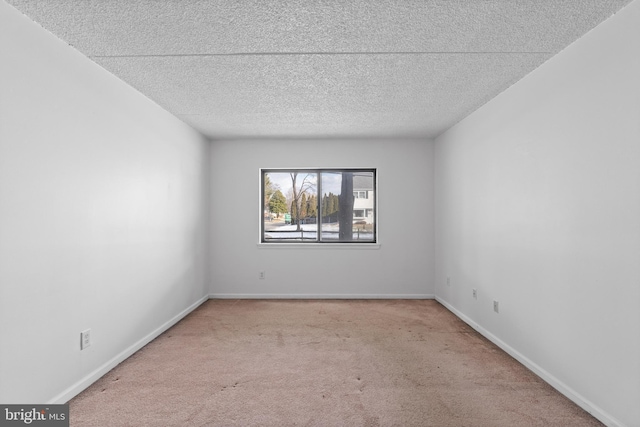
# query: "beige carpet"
322,363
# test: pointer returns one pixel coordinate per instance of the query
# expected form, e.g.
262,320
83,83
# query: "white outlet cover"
85,339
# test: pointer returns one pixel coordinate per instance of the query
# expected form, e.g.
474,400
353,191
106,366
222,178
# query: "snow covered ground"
310,232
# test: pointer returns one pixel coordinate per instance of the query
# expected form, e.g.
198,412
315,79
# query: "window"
318,206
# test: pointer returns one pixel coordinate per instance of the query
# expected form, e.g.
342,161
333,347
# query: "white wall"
401,267
103,216
538,206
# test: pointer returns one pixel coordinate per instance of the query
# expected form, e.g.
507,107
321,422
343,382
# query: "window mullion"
318,208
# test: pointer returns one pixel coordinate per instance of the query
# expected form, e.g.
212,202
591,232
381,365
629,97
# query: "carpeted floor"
322,363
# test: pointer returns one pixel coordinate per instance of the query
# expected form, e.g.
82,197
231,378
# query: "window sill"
352,246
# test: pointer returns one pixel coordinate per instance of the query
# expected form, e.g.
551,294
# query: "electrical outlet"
496,306
85,339
261,275
475,294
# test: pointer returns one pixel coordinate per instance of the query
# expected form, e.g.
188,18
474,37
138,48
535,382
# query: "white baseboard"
321,296
85,382
571,394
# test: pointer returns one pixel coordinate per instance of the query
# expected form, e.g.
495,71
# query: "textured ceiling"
330,68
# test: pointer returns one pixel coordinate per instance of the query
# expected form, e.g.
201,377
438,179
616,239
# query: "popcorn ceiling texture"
319,69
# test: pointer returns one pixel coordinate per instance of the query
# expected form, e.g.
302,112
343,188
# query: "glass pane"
347,206
290,206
